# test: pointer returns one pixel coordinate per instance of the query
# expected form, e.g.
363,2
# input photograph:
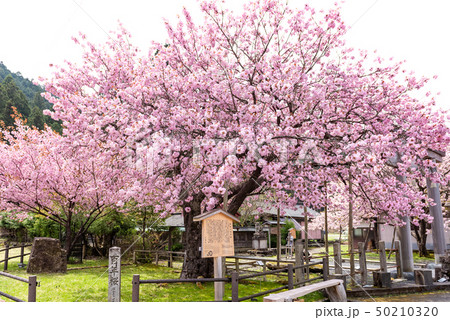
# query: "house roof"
175,220
211,213
250,228
297,213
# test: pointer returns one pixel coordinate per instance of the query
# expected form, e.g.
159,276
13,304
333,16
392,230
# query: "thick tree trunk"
68,242
423,252
194,265
422,245
420,233
71,239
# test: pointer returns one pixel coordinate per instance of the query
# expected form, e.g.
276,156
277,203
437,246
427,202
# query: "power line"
93,20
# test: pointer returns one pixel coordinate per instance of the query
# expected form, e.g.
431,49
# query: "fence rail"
293,280
158,254
32,285
7,257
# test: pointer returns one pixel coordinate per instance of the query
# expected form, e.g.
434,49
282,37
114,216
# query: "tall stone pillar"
437,226
404,234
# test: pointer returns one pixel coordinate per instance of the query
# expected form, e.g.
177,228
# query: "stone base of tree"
444,260
423,277
47,257
382,279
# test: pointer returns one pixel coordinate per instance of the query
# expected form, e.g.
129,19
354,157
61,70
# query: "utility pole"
350,228
326,219
278,237
305,214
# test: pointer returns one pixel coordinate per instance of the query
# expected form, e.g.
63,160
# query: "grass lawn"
91,285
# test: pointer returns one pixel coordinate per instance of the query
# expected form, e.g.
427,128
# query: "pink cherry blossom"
301,106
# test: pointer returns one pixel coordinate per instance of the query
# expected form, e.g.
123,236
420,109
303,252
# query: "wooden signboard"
293,233
217,233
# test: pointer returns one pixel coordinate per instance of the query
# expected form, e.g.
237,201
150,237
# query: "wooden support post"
290,277
362,263
83,251
156,258
170,262
236,265
325,268
32,284
219,286
337,258
234,287
169,248
224,268
135,288
265,269
398,258
299,273
382,253
22,252
134,257
5,265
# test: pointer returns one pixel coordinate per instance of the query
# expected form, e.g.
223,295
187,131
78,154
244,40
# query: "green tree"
39,226
40,102
104,231
3,112
17,228
285,230
15,97
36,118
25,85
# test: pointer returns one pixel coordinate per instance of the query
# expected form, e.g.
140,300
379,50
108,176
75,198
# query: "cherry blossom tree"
420,226
41,174
267,100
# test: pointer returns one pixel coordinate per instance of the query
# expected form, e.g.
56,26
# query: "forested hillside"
20,93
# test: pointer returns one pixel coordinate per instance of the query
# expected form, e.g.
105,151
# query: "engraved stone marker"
114,275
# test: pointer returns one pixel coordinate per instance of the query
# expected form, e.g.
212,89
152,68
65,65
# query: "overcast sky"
35,33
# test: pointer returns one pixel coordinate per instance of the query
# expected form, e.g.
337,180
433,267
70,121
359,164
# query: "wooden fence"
295,275
32,284
380,265
245,267
7,257
290,271
157,256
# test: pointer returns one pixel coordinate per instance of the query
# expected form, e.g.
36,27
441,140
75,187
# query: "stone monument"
47,256
114,275
259,240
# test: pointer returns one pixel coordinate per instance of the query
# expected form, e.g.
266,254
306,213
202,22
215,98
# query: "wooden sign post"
217,242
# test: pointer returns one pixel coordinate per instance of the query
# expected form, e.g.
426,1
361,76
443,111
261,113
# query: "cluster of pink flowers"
270,100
